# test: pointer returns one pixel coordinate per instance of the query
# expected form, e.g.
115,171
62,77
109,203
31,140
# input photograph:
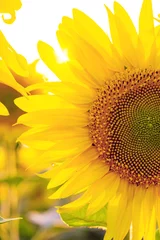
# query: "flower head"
10,62
15,75
101,128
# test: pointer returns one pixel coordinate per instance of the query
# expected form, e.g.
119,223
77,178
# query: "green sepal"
79,218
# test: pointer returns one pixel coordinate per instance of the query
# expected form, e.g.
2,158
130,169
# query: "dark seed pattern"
125,125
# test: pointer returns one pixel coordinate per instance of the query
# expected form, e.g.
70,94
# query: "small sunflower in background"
11,61
9,7
15,75
100,125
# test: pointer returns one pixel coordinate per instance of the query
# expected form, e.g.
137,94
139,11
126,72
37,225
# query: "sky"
39,20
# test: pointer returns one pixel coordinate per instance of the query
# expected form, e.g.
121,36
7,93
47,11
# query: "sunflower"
9,7
100,128
10,62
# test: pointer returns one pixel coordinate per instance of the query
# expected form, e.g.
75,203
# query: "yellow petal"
74,93
60,69
71,92
59,156
126,20
40,145
119,59
113,29
102,191
62,173
85,54
52,134
83,200
137,214
91,32
84,76
116,211
146,26
56,118
57,145
72,143
154,56
124,213
80,180
3,110
9,6
158,207
126,43
112,209
11,58
150,232
149,220
31,103
7,78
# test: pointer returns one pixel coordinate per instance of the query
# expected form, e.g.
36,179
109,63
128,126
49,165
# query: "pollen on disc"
125,126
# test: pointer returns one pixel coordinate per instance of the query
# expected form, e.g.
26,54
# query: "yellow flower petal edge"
10,63
9,7
7,78
3,110
12,59
100,133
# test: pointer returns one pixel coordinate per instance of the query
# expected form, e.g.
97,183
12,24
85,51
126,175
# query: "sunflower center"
125,125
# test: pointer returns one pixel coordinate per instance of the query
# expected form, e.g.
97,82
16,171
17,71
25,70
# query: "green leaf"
78,217
4,220
157,237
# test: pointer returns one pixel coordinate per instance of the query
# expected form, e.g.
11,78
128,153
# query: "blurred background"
39,19
22,192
